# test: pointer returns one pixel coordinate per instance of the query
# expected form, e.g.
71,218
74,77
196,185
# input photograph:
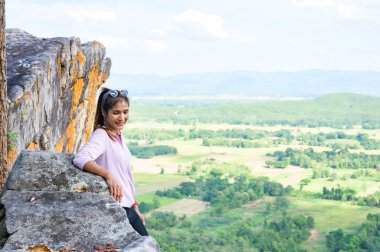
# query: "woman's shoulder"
99,132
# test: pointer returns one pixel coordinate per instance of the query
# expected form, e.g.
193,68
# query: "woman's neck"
116,132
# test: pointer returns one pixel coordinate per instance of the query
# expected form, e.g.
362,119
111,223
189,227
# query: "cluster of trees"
343,194
151,135
248,134
147,206
162,220
205,166
340,158
223,194
236,143
368,144
367,238
347,194
337,111
370,200
321,139
242,138
239,138
222,233
277,164
320,173
150,151
285,235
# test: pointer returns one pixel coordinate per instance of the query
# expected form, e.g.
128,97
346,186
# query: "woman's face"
117,116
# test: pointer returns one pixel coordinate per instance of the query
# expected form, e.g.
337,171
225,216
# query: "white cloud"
159,33
94,15
322,51
155,45
313,3
209,23
113,41
346,10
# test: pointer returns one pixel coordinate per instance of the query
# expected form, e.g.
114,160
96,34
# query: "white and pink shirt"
112,155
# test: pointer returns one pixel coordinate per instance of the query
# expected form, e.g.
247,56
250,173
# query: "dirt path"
255,203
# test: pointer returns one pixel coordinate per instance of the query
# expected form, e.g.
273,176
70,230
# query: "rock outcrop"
48,202
52,85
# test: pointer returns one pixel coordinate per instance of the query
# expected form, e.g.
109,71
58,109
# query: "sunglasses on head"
113,93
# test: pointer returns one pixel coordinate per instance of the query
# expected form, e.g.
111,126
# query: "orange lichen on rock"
39,248
32,146
59,66
95,82
25,97
77,91
80,57
67,140
12,155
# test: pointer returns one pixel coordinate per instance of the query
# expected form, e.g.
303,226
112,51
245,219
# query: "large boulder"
52,85
47,202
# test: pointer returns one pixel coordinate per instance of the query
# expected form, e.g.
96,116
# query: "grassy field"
148,182
254,158
360,185
148,197
328,215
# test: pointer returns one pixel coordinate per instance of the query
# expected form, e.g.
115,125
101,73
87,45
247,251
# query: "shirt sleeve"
92,149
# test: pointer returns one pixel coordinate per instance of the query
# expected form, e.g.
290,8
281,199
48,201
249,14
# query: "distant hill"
311,83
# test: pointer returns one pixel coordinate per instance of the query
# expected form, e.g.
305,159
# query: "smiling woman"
107,155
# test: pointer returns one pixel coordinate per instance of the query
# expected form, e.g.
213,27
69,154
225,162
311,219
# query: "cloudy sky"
169,37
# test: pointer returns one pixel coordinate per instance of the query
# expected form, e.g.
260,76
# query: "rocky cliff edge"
52,85
50,205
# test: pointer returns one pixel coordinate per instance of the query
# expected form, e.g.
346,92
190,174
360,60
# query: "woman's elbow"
77,162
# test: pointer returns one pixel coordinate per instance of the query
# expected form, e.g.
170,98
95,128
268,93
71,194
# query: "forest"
261,176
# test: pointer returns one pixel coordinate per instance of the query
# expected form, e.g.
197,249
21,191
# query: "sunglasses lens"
124,92
113,93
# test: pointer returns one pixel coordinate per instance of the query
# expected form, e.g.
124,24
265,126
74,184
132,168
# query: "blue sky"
169,37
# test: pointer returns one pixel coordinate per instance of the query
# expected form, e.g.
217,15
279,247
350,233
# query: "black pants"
135,221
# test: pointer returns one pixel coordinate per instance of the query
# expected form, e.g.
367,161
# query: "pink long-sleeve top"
114,156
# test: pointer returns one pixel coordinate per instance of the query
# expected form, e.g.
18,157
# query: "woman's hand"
114,187
139,214
112,183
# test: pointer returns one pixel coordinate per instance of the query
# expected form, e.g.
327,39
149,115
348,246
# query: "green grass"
359,185
331,215
148,198
189,158
149,178
149,182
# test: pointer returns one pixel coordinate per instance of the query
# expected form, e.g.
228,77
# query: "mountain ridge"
308,83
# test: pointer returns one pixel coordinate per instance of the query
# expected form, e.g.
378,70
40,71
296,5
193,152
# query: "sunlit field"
254,158
254,155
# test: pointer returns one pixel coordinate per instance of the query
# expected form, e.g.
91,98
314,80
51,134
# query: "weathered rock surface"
52,85
47,201
47,171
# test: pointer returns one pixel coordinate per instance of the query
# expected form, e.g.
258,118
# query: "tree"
304,182
3,99
281,203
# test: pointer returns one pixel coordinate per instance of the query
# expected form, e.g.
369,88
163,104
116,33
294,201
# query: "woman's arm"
112,183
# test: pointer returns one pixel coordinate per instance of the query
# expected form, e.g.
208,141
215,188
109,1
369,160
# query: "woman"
106,153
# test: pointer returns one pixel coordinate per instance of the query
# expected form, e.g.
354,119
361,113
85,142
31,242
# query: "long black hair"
103,107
